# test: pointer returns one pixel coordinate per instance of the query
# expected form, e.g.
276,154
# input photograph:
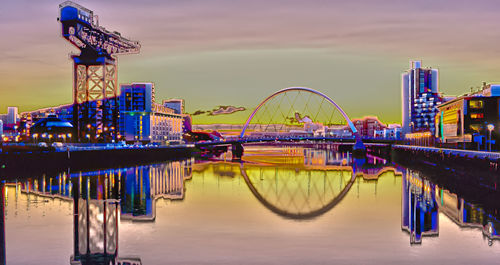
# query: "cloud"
198,112
224,110
220,110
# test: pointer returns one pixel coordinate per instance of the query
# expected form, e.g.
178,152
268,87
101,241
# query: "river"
279,205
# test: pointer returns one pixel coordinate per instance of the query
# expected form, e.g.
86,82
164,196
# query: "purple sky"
238,52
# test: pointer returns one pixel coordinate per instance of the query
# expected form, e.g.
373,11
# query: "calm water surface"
286,205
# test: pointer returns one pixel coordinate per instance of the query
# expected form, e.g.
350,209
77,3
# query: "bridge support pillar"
359,149
237,150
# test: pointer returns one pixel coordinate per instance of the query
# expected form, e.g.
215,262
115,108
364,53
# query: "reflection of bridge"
302,183
302,193
298,195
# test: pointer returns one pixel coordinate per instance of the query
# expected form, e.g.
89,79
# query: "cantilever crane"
95,108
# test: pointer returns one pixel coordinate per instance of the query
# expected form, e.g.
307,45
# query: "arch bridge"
294,114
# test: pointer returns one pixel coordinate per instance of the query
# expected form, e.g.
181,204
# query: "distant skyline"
236,53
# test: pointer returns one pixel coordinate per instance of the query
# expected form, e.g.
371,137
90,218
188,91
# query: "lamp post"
490,128
412,128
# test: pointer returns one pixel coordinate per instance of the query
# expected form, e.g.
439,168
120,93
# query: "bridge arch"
304,89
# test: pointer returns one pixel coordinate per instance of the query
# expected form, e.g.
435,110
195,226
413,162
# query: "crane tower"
95,92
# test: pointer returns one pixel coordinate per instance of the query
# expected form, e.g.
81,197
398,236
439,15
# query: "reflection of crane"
95,110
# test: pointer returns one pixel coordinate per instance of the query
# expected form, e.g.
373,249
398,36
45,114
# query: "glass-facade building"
420,98
144,120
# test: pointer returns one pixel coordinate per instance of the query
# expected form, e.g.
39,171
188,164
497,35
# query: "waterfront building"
420,98
176,104
393,131
367,126
12,116
338,132
144,120
64,112
51,129
470,119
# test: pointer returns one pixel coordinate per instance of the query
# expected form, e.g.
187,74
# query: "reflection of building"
99,197
142,186
2,222
421,202
320,157
465,119
419,208
420,97
468,215
137,188
142,119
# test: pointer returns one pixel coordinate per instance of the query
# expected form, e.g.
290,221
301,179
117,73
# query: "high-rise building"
420,97
11,115
144,120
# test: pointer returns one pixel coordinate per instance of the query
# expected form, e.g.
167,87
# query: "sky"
237,52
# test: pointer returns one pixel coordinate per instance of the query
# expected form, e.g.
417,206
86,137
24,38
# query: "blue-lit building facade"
144,120
420,98
423,202
419,208
142,186
89,133
141,119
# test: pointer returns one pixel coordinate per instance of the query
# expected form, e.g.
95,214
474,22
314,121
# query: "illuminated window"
476,115
476,104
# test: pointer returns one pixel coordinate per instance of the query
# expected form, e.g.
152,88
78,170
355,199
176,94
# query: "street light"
490,128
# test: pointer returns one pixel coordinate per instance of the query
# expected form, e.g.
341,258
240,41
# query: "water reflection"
303,183
256,202
2,222
143,185
419,213
298,193
422,201
100,199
